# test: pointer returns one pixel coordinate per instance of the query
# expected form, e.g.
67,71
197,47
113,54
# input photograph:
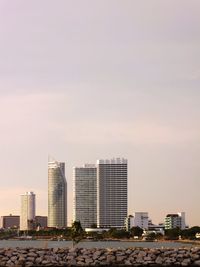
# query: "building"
10,221
112,192
41,221
176,220
157,228
57,195
141,219
128,223
85,195
27,215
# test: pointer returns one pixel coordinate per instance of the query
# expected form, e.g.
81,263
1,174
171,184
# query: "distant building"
157,228
176,220
112,192
27,215
128,223
10,221
141,219
41,221
85,195
57,195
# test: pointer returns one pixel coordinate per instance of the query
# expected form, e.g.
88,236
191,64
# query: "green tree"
172,234
77,232
136,231
190,233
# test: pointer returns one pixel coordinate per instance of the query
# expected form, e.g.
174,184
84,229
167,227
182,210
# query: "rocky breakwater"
97,257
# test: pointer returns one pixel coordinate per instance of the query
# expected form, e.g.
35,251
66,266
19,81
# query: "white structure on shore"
85,195
57,194
27,215
176,220
111,192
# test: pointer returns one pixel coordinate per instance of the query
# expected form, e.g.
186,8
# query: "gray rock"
110,258
31,259
120,259
127,262
80,263
13,258
38,260
159,260
71,262
97,254
88,261
186,262
45,262
32,254
197,263
195,257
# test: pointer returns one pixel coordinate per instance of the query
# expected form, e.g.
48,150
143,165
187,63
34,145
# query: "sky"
84,80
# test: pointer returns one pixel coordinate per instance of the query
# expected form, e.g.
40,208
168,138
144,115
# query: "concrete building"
112,192
85,195
57,195
27,215
157,228
176,220
128,223
10,221
41,221
141,219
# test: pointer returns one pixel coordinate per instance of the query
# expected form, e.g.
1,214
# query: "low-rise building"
176,220
10,221
41,221
141,219
128,222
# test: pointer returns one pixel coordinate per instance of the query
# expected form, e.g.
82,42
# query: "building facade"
176,220
57,195
141,219
41,221
85,195
128,222
112,192
27,215
10,221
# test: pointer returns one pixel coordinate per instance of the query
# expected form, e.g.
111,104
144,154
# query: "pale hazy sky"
83,80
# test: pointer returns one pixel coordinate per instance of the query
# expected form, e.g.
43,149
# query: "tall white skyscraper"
27,216
57,195
85,195
112,194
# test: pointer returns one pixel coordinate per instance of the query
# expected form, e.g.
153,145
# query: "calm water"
88,244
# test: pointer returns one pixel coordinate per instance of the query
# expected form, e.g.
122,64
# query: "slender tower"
27,216
57,194
112,192
85,195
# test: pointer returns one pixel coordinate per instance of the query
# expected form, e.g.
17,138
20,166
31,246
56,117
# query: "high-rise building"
112,192
27,215
57,195
85,195
176,220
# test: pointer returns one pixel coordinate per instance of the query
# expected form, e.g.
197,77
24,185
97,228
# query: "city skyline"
100,80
